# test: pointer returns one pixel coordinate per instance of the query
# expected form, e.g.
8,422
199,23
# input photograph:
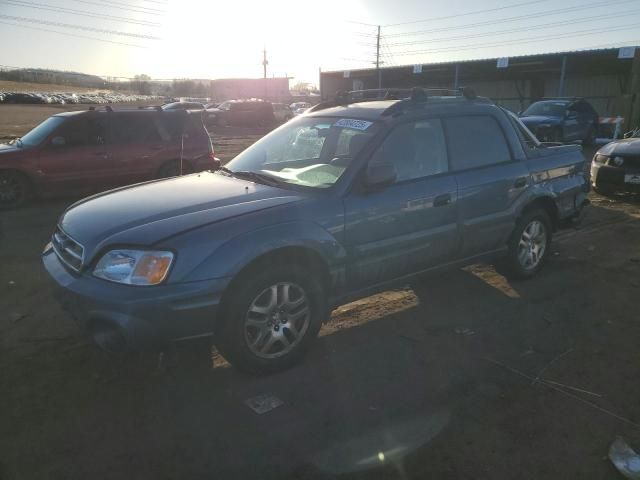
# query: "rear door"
489,181
76,157
137,146
408,226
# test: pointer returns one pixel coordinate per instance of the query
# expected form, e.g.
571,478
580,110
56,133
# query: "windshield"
42,131
547,109
312,152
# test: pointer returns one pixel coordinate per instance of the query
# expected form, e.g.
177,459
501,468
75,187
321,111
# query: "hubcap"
277,320
532,245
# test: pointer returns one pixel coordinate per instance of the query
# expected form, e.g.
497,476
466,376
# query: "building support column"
563,70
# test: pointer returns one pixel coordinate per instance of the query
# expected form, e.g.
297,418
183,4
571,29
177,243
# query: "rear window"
476,141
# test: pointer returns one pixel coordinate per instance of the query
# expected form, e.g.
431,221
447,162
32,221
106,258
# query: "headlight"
134,267
618,161
601,159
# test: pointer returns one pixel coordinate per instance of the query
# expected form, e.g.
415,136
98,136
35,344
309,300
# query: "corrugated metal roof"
549,54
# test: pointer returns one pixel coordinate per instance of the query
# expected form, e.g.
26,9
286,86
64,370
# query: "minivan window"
38,134
417,149
134,129
83,131
476,141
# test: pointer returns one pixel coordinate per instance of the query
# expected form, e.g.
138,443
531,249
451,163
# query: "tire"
15,189
590,139
604,191
526,257
257,323
172,169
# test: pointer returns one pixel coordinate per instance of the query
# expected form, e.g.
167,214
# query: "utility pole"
265,62
378,59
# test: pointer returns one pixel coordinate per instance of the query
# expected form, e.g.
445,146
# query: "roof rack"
405,95
563,98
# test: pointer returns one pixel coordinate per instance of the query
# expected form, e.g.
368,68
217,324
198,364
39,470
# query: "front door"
410,225
76,157
489,181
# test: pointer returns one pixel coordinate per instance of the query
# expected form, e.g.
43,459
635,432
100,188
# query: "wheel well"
20,173
286,255
548,205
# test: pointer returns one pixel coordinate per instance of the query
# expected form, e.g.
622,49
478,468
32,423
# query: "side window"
83,132
131,129
417,149
476,141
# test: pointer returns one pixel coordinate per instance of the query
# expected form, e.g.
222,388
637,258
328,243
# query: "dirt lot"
441,379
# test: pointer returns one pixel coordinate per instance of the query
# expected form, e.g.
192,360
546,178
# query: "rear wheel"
271,319
604,191
15,189
529,244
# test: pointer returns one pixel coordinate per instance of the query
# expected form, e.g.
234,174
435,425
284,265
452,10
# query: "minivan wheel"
529,244
15,189
271,319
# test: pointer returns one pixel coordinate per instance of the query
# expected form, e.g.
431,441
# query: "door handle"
442,200
520,182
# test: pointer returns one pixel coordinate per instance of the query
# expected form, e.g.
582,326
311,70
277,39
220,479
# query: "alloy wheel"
277,320
532,245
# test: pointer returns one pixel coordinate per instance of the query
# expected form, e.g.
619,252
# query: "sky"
168,39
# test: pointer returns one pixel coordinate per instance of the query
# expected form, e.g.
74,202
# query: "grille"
67,249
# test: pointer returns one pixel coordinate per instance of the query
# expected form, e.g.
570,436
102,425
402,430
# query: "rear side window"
476,141
134,129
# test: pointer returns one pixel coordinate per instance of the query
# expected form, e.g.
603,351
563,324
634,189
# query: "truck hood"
147,213
535,120
628,146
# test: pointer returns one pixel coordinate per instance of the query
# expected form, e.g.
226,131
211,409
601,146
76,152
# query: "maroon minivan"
76,153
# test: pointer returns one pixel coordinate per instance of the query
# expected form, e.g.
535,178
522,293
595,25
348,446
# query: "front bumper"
613,178
124,317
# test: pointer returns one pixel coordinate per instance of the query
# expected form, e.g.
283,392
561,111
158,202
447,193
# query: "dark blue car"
338,203
562,120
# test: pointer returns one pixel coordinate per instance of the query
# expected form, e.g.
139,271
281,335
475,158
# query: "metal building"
608,78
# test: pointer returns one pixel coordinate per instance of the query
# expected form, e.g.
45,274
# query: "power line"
77,27
509,19
503,32
520,41
475,12
124,6
40,6
71,34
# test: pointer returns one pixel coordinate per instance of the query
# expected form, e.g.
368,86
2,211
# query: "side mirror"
571,114
58,141
379,176
519,113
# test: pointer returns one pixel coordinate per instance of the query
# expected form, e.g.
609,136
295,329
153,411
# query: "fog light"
618,161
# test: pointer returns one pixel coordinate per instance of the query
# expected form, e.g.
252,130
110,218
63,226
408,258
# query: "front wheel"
529,244
14,189
271,320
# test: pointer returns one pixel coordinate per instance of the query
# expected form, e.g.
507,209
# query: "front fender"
232,256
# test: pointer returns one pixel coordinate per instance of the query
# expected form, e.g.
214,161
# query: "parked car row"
71,98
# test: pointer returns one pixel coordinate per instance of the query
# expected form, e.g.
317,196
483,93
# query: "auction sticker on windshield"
352,123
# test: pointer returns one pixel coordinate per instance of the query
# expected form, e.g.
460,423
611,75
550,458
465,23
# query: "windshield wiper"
254,176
